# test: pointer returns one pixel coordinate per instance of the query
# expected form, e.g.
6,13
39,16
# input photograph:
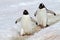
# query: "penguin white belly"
27,24
41,17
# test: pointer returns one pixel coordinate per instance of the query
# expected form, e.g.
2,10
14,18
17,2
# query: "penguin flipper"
18,20
35,13
51,12
34,20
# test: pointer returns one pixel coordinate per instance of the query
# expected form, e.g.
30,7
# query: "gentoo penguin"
41,15
27,23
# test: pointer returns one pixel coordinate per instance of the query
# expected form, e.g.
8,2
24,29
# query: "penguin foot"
41,26
47,25
26,34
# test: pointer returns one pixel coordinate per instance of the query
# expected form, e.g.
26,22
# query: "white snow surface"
10,10
50,33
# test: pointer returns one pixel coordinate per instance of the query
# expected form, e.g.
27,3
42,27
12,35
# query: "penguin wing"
49,11
19,19
35,13
34,20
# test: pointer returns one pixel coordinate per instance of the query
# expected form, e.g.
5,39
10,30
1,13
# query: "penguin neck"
42,9
25,15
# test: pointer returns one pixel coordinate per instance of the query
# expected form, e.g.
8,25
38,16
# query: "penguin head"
25,12
41,6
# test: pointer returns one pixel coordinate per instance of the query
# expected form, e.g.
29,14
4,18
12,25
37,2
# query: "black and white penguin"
41,15
27,23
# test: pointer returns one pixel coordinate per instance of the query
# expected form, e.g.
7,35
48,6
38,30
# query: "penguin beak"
15,22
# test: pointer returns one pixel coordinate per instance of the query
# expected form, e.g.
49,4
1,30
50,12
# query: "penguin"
50,11
41,15
27,23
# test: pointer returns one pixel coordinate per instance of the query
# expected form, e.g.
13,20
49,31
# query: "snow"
50,33
10,10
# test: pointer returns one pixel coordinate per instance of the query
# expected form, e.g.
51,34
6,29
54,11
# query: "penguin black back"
41,6
25,12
